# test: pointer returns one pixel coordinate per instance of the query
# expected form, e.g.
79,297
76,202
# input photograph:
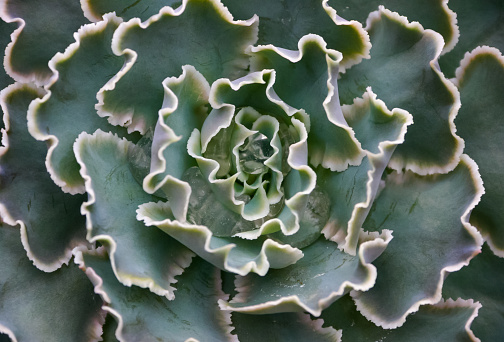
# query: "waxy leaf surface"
51,223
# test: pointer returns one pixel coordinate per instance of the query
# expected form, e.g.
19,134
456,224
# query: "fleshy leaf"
480,123
429,218
402,72
183,110
227,253
379,130
480,23
282,327
443,321
144,316
38,306
308,80
140,255
5,31
95,9
481,280
432,14
256,90
283,23
50,220
67,108
44,29
322,276
205,36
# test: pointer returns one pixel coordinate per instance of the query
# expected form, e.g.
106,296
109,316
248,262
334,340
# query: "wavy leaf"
480,23
205,36
481,280
403,73
183,110
307,80
432,14
44,29
144,316
37,306
50,220
480,123
282,327
227,253
5,31
429,218
283,23
67,108
139,255
95,9
322,276
443,321
353,191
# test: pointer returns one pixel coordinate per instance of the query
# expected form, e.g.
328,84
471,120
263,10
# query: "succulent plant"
226,170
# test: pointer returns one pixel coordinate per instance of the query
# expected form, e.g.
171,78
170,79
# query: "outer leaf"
205,36
307,80
404,75
480,23
50,220
444,321
38,306
282,327
44,29
67,108
322,276
429,217
283,23
144,316
481,280
139,255
5,31
95,9
230,254
432,14
353,191
480,122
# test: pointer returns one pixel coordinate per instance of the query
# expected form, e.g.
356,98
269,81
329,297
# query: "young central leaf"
254,152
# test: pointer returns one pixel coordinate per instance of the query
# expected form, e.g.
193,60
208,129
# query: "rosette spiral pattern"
266,170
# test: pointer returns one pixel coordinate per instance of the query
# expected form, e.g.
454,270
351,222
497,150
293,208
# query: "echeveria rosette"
262,174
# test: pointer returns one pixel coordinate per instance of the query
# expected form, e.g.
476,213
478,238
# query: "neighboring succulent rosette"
222,170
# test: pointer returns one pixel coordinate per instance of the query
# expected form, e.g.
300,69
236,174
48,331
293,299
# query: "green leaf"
283,23
322,276
307,80
256,91
443,321
282,327
480,23
140,255
44,29
68,108
403,74
183,110
353,191
479,122
5,31
143,9
144,316
227,253
38,306
481,280
432,14
429,218
205,36
50,220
